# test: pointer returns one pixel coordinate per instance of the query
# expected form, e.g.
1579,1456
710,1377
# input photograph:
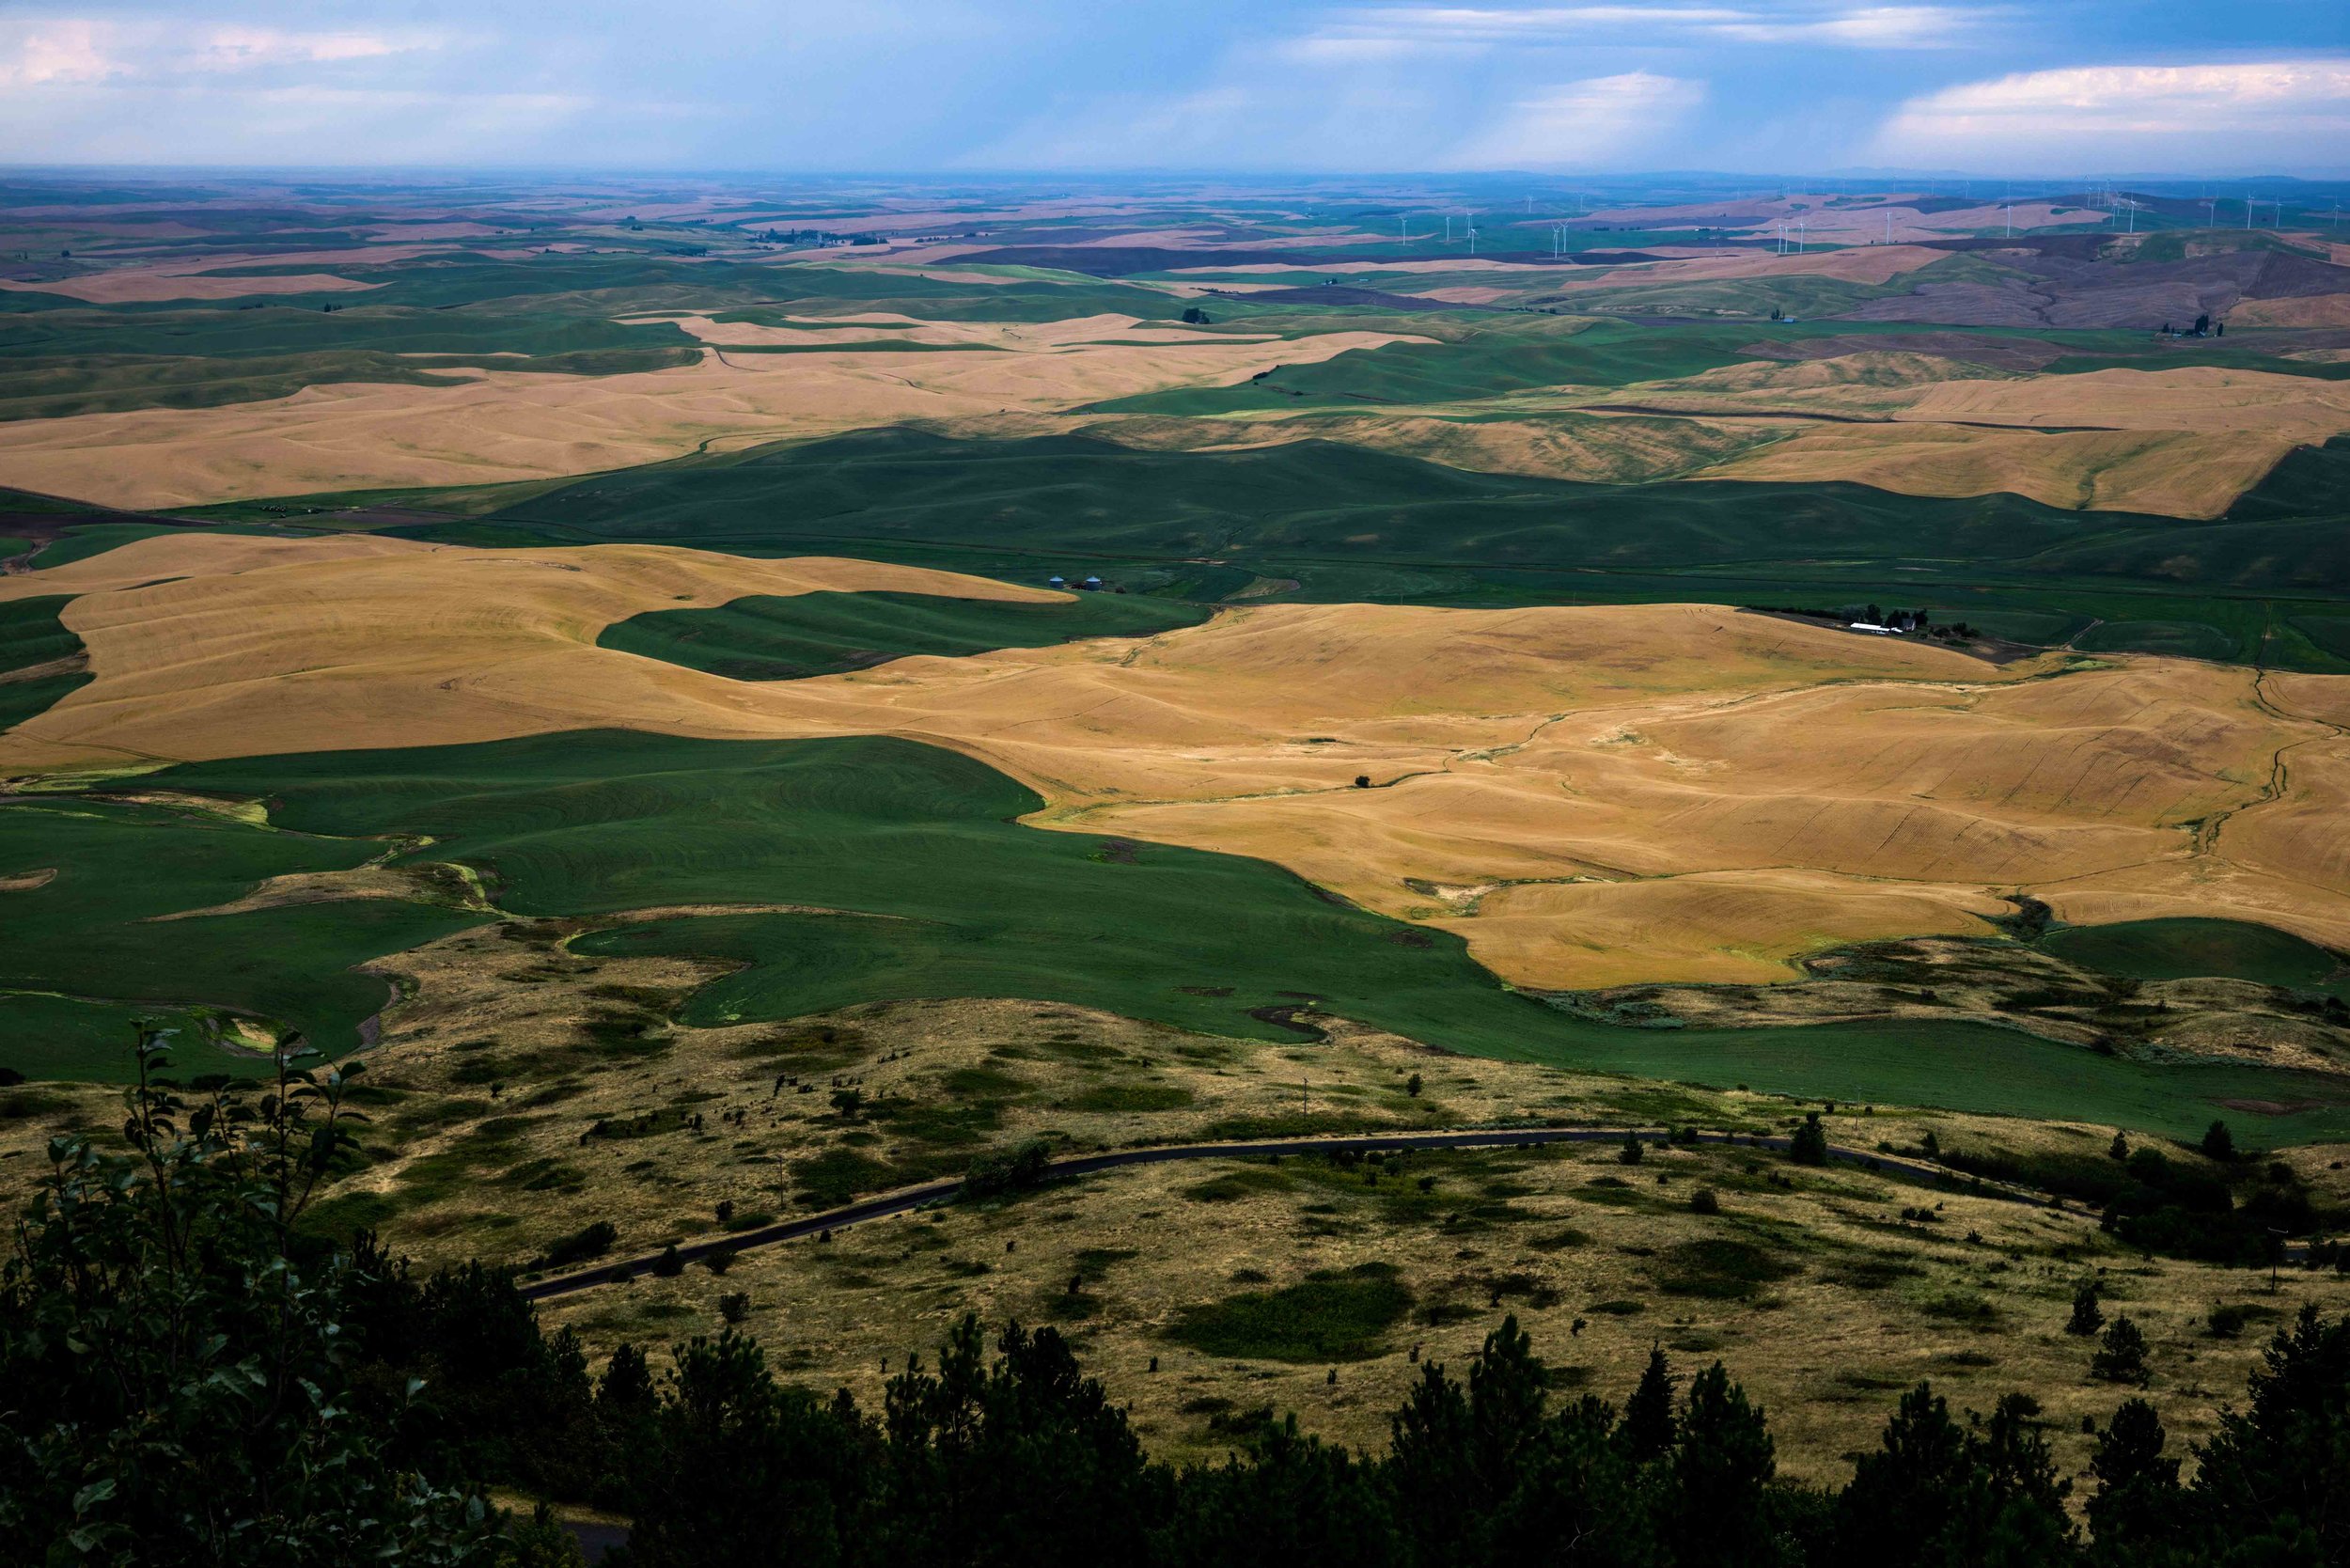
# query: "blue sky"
2053,89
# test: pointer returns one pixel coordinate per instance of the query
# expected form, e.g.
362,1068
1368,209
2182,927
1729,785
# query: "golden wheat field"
509,425
1588,795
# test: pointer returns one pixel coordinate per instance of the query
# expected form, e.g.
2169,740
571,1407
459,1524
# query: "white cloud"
1581,124
1343,49
2278,112
1484,26
239,48
52,52
1867,28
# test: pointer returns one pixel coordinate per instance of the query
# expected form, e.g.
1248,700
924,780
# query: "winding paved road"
908,1198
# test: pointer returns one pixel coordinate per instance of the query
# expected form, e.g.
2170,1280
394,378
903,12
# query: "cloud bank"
1771,87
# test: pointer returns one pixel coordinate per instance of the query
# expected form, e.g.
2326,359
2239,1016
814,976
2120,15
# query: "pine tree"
2088,1316
2273,1484
1809,1144
1722,1467
2122,1356
2135,1511
1647,1425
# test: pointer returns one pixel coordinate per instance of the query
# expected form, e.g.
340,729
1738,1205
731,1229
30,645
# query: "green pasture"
790,636
2182,948
940,892
369,322
43,1035
93,539
1496,355
422,318
90,932
51,388
2269,582
31,635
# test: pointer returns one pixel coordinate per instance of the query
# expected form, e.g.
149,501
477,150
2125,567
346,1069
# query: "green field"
75,1038
941,893
90,933
790,636
425,318
30,635
2185,948
2266,583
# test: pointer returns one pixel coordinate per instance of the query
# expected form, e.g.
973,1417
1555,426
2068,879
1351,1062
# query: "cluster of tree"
184,1377
809,238
2223,1209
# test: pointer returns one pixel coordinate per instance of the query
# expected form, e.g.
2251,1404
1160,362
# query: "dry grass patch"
1820,1296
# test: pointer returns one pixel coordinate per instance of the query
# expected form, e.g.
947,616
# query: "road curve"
908,1198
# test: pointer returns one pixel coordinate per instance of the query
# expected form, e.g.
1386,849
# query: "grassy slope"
2180,948
31,635
86,933
763,638
952,898
1350,524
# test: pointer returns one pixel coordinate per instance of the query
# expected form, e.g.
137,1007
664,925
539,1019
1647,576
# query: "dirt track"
907,1199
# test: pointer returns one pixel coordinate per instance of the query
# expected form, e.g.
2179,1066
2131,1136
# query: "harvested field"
2185,441
2180,474
1612,448
1704,794
500,426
